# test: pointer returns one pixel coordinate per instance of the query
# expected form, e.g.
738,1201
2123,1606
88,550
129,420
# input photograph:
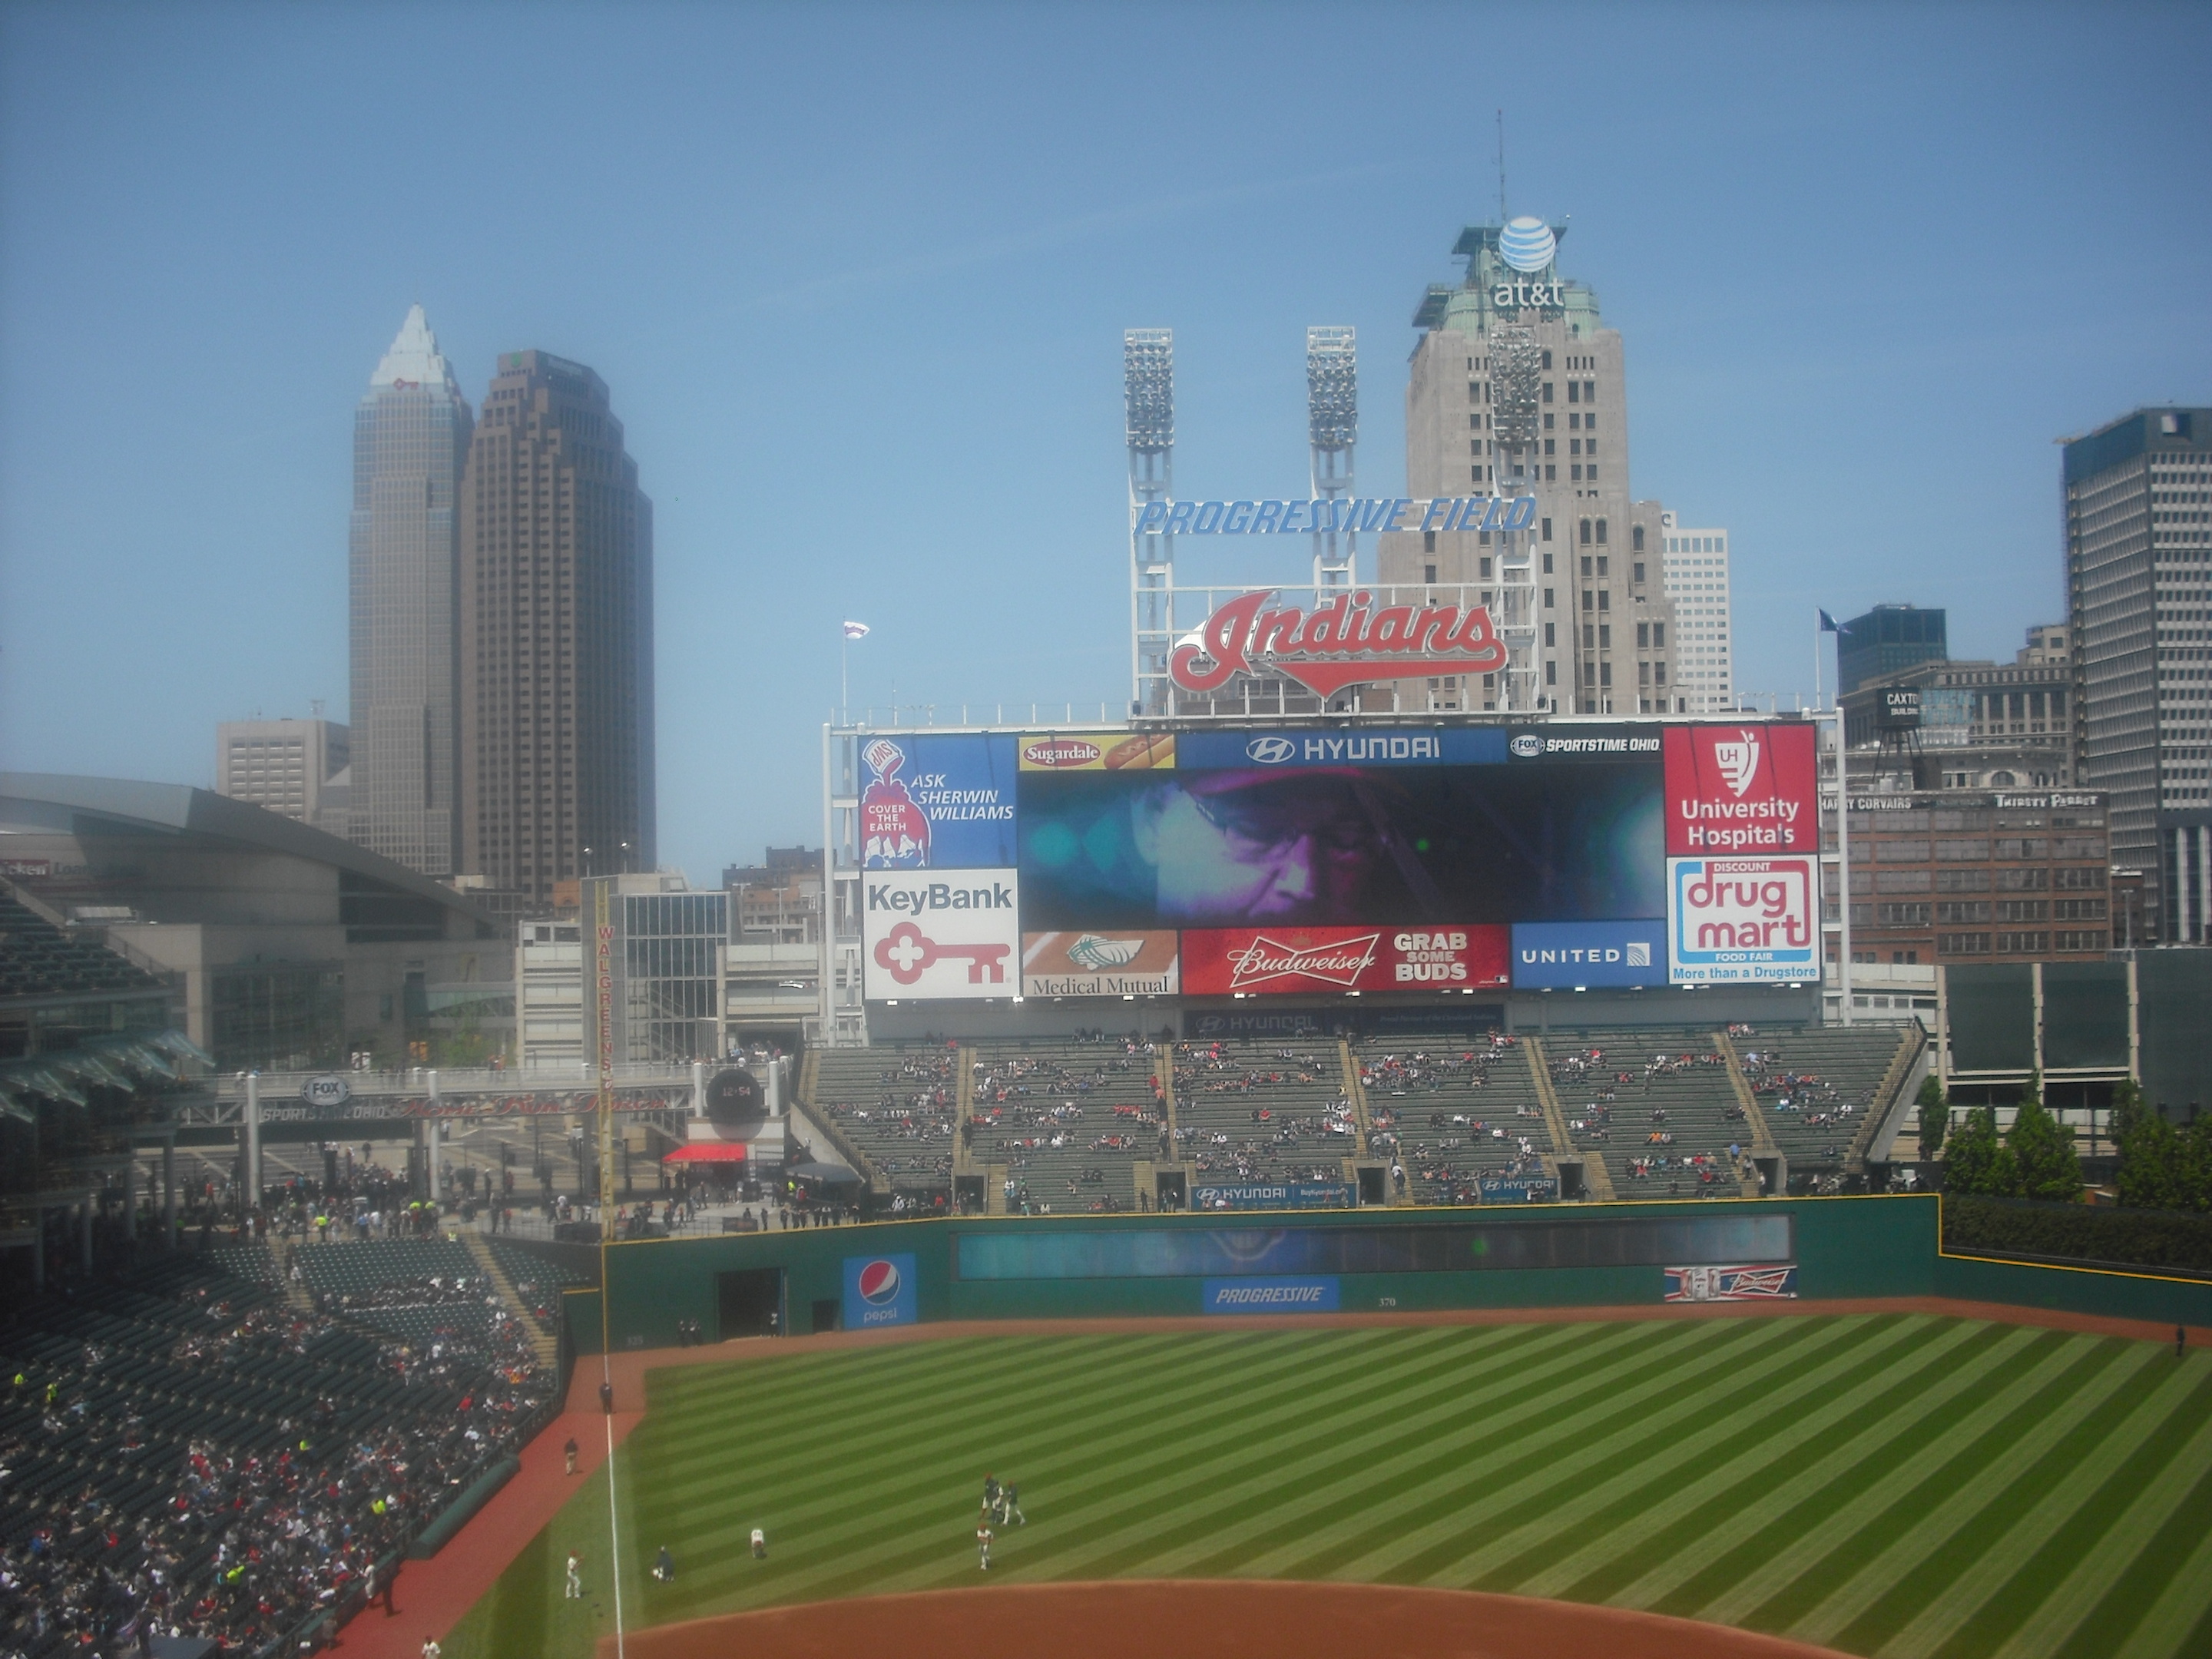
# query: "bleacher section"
1657,1103
1451,1113
39,959
1815,1085
896,1106
1268,1111
167,1431
1069,1119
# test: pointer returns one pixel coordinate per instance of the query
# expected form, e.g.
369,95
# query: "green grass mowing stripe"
895,1505
1426,1453
2167,1624
1471,1386
1831,1590
1630,1432
1509,1446
1944,1584
1672,1474
869,1424
795,1467
1582,1477
1339,1474
1758,1462
1669,1558
1294,1385
2019,1577
2016,1362
2130,1591
1172,1483
1189,1486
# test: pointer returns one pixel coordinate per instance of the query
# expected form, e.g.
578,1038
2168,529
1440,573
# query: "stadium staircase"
1597,1180
1891,1096
541,1340
281,1256
1355,1092
1763,1144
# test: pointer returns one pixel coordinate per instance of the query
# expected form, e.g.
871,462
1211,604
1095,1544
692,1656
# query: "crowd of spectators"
236,1468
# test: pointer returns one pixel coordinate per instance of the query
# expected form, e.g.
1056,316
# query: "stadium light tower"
1332,434
1148,398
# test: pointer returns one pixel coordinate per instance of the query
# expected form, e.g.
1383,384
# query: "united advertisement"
1320,861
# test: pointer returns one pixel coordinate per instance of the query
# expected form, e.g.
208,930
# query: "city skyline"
866,324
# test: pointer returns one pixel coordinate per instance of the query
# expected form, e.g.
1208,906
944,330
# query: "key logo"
907,953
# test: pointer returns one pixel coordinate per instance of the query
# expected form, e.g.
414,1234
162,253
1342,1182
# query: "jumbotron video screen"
1292,860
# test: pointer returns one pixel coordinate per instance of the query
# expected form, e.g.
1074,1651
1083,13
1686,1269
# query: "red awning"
708,1152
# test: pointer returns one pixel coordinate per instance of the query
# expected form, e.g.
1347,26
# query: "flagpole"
844,693
1816,659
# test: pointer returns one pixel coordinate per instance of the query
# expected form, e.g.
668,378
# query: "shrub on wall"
2144,1238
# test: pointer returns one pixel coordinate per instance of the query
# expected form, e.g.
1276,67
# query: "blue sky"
857,277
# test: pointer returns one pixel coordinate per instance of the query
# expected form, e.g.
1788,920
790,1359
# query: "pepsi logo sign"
879,1283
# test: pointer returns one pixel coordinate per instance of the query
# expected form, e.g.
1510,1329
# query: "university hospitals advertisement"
938,802
1278,961
1740,789
1100,964
1737,922
947,933
1559,956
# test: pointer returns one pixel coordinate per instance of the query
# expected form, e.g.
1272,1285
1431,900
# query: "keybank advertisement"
879,1291
938,802
944,933
1743,920
1558,956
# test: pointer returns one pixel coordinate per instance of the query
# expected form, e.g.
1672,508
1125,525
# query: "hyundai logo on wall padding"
1527,244
1270,751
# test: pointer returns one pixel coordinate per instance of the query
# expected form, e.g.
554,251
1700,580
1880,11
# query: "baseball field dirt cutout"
1205,1618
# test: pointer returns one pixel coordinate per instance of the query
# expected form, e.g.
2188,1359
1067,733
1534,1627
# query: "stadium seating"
1266,1110
896,1105
1657,1103
190,1448
1069,1119
1450,1113
1815,1084
40,959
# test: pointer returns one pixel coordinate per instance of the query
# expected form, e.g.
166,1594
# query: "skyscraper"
1886,641
1696,573
410,441
284,765
556,635
1517,387
2139,585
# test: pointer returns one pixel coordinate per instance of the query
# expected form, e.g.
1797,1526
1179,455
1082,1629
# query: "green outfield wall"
1382,1260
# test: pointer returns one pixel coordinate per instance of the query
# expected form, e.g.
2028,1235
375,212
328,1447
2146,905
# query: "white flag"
856,630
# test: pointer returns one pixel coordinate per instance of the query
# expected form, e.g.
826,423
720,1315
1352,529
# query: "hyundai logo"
1271,751
1527,745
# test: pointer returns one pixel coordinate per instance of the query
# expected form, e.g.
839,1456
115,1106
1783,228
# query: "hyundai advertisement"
1322,862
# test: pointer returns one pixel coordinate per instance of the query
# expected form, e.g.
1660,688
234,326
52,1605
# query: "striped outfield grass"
1883,1484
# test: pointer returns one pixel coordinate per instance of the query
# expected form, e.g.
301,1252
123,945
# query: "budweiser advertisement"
1741,789
1278,961
1108,962
948,934
1736,921
1097,751
1348,639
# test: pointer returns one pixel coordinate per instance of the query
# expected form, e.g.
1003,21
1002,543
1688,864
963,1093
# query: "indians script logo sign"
1344,642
